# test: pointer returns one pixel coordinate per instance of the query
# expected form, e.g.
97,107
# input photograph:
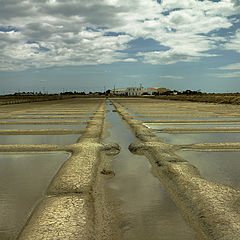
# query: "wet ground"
25,176
185,185
209,127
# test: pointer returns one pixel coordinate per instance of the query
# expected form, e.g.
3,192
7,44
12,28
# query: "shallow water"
147,209
36,126
24,178
42,119
51,115
145,119
162,126
173,113
192,138
39,139
222,167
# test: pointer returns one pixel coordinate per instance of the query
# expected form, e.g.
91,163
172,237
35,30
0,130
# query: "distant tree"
108,92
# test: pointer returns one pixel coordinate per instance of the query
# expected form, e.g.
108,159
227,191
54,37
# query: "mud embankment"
212,209
68,209
70,206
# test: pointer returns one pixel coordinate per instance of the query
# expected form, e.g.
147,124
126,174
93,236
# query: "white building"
119,91
135,91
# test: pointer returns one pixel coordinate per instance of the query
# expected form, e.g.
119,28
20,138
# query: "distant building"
135,91
138,91
157,90
119,91
152,91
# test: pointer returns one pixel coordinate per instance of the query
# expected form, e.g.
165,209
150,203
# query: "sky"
92,45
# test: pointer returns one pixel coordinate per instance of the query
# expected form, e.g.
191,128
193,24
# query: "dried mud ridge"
74,205
68,209
212,209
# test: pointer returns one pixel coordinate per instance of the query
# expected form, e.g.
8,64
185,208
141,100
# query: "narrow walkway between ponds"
146,207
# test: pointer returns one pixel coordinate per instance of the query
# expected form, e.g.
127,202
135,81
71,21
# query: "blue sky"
59,45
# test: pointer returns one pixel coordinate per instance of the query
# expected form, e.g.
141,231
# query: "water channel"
146,207
24,178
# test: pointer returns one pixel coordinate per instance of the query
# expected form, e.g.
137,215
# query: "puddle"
24,178
41,126
222,167
162,126
39,139
147,209
191,138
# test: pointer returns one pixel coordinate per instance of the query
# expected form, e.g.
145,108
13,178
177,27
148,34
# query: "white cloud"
234,43
60,32
227,75
129,60
234,66
171,77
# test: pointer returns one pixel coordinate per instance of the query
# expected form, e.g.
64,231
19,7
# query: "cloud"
227,75
179,54
47,33
234,66
171,77
129,60
234,43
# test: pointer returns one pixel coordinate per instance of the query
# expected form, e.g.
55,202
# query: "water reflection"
24,178
220,167
191,138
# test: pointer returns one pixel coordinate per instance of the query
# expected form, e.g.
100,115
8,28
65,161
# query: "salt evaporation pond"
39,139
162,126
222,167
42,119
41,126
192,138
24,178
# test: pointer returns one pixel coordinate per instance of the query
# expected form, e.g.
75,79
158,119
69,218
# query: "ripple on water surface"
24,178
